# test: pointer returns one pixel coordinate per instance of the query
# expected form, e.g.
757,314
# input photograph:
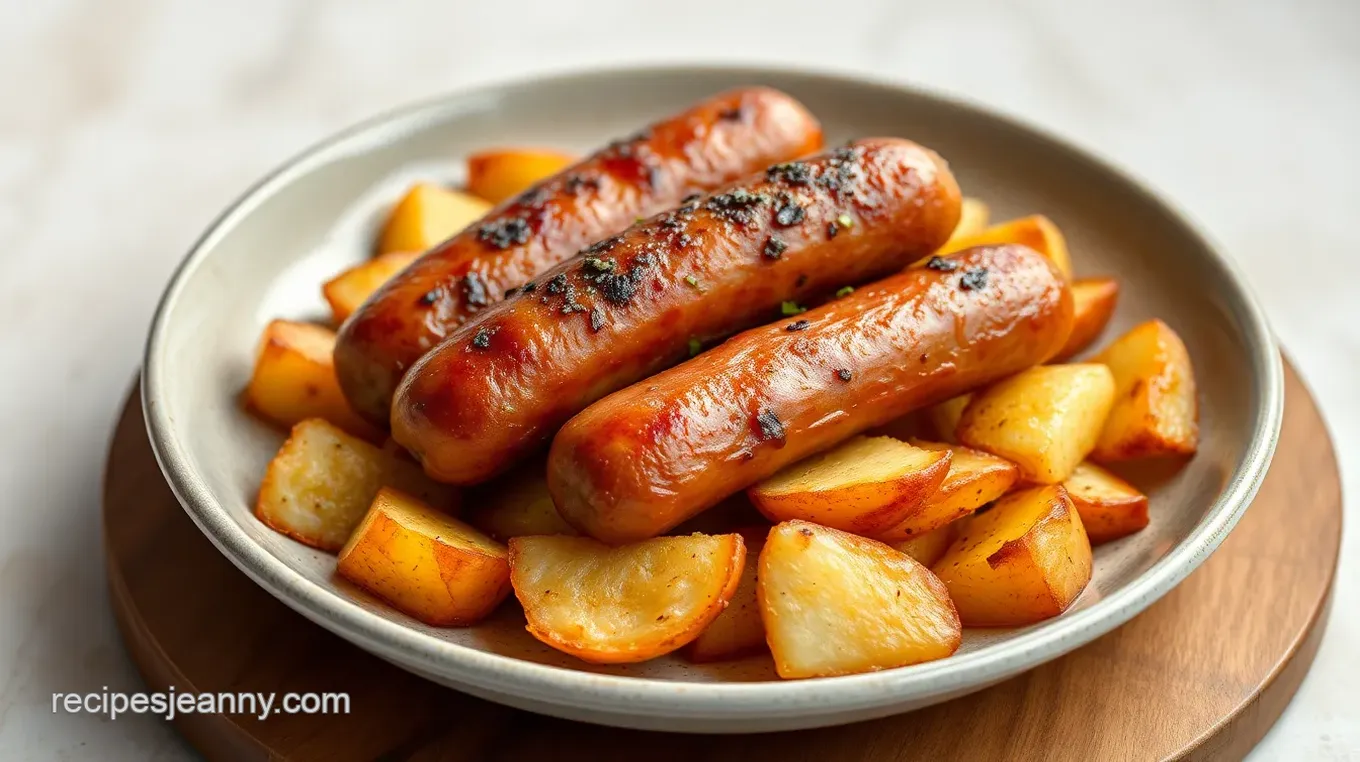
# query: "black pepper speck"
790,173
798,325
844,374
771,428
789,213
942,264
974,279
482,340
503,234
596,319
474,289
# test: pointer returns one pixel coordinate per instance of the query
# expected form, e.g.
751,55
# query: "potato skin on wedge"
864,485
427,215
1109,507
927,547
837,604
975,478
618,605
498,174
348,290
1093,303
944,417
1025,560
322,481
1035,231
738,630
294,379
1044,420
516,504
1156,410
974,214
424,562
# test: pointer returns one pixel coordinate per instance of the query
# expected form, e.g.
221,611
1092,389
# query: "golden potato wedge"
738,630
516,504
348,290
626,604
1093,302
973,218
975,478
865,485
428,215
1109,507
424,562
1156,411
322,481
500,174
1023,561
294,379
944,417
1045,420
1036,231
835,603
928,547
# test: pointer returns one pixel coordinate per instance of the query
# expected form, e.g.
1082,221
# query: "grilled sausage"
631,305
642,460
712,144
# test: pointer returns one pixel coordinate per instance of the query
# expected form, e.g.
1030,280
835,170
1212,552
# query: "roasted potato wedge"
1093,302
865,485
835,603
428,215
1156,411
1045,420
973,218
1036,231
975,478
1023,561
738,630
928,547
348,290
944,417
294,379
424,562
500,174
625,604
322,481
1109,507
516,505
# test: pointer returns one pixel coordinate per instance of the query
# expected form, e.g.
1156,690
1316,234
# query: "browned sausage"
642,460
712,144
502,385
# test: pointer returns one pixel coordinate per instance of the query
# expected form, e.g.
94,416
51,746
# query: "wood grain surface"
1202,674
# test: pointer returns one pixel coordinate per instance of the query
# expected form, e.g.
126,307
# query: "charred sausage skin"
646,458
714,143
631,305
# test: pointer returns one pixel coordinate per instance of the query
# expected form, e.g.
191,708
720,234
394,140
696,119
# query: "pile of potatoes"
980,511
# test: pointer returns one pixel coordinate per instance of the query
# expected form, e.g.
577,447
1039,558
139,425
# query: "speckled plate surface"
267,256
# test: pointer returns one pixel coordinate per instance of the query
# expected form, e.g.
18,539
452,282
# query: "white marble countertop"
125,125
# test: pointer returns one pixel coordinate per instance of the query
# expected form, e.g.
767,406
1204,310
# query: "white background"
125,125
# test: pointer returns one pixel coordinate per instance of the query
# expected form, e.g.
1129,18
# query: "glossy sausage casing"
642,460
714,143
502,385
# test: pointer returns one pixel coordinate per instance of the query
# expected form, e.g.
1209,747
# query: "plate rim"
653,697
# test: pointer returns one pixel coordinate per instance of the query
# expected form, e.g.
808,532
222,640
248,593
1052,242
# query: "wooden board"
1203,674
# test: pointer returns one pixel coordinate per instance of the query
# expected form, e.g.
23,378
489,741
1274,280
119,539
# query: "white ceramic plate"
267,256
